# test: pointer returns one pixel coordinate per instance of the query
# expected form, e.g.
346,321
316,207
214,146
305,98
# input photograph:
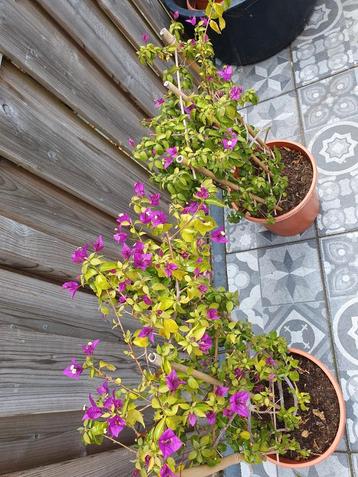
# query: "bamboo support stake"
155,359
176,91
170,40
206,471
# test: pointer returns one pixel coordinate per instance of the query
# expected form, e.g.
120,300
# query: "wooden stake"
176,91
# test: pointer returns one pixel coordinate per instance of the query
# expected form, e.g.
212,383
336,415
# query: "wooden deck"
71,94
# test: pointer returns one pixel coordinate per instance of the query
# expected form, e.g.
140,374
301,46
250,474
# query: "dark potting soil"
320,422
299,172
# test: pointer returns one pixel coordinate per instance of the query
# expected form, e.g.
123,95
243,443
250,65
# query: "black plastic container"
255,29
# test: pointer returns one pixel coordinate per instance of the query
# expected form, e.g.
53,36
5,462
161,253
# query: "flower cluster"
163,283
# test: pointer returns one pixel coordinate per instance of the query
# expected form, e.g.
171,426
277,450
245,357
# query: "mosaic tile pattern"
330,120
270,78
327,44
340,261
355,464
335,466
279,114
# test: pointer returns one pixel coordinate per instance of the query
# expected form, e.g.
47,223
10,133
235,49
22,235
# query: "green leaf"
214,26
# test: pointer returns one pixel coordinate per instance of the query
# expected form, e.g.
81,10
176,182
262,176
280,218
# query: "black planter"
255,29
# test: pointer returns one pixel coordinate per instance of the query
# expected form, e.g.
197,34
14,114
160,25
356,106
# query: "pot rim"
342,419
290,213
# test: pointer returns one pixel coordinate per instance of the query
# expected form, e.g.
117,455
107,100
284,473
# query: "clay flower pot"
292,464
198,4
303,215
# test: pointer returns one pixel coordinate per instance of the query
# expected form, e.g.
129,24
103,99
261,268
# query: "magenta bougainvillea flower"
115,426
202,288
147,300
227,412
93,412
172,151
146,216
165,471
123,285
122,299
221,391
139,189
120,237
192,419
167,161
169,443
236,92
145,37
103,388
158,218
73,371
80,254
239,373
138,247
189,109
192,21
112,403
229,143
98,244
212,314
169,269
154,199
158,102
205,20
90,347
123,219
193,207
205,343
71,287
211,418
218,235
270,361
202,193
126,251
238,403
142,260
131,142
226,73
147,332
173,381
175,15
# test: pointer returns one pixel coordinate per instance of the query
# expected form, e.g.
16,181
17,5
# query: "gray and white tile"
247,236
355,464
325,47
266,469
279,116
269,78
335,466
290,274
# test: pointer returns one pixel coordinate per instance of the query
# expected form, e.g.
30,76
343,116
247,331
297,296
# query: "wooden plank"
29,304
116,463
31,372
29,200
91,28
43,50
40,439
27,249
40,134
154,12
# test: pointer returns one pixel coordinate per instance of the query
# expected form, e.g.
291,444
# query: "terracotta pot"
288,463
303,215
198,4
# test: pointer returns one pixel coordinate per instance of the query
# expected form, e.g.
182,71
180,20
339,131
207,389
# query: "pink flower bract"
169,443
238,403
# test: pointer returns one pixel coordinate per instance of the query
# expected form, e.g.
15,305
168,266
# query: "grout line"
328,76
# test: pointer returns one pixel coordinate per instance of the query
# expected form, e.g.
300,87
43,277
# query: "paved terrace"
305,287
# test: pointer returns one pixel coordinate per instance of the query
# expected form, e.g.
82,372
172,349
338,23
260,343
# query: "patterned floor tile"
325,46
247,236
350,12
279,114
335,147
290,274
330,100
262,470
243,275
335,466
355,464
269,78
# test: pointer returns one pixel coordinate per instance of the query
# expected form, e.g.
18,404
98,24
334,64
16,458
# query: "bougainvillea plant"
209,381
199,131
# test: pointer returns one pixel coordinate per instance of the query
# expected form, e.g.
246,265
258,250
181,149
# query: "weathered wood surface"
43,50
29,304
154,12
40,439
116,463
92,29
31,366
41,135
